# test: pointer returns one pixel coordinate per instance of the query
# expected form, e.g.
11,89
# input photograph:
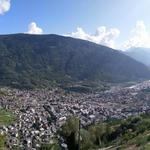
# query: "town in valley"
39,114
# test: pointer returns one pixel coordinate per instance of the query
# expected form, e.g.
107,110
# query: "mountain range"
139,54
46,60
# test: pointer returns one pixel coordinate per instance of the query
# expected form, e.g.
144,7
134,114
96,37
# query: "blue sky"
64,16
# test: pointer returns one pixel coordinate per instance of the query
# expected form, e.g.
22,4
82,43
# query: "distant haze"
140,54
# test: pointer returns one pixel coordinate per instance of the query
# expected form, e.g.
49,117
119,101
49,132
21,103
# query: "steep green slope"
41,60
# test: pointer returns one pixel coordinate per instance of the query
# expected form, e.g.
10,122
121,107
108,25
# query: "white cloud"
4,6
140,37
34,29
102,36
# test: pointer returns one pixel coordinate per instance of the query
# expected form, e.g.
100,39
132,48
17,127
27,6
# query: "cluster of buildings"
41,113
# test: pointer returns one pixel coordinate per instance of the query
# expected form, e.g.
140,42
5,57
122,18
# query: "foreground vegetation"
121,134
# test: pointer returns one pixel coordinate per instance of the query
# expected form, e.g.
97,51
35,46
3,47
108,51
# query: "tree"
69,132
97,133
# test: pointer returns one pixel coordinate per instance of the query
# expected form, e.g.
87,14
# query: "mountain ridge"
45,60
140,54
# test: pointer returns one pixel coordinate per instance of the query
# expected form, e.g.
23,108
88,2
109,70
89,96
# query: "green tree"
70,132
97,133
86,141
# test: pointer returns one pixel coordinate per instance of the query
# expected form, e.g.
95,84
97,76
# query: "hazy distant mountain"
43,60
140,54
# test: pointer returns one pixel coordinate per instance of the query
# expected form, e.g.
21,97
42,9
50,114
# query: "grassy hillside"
45,60
6,117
